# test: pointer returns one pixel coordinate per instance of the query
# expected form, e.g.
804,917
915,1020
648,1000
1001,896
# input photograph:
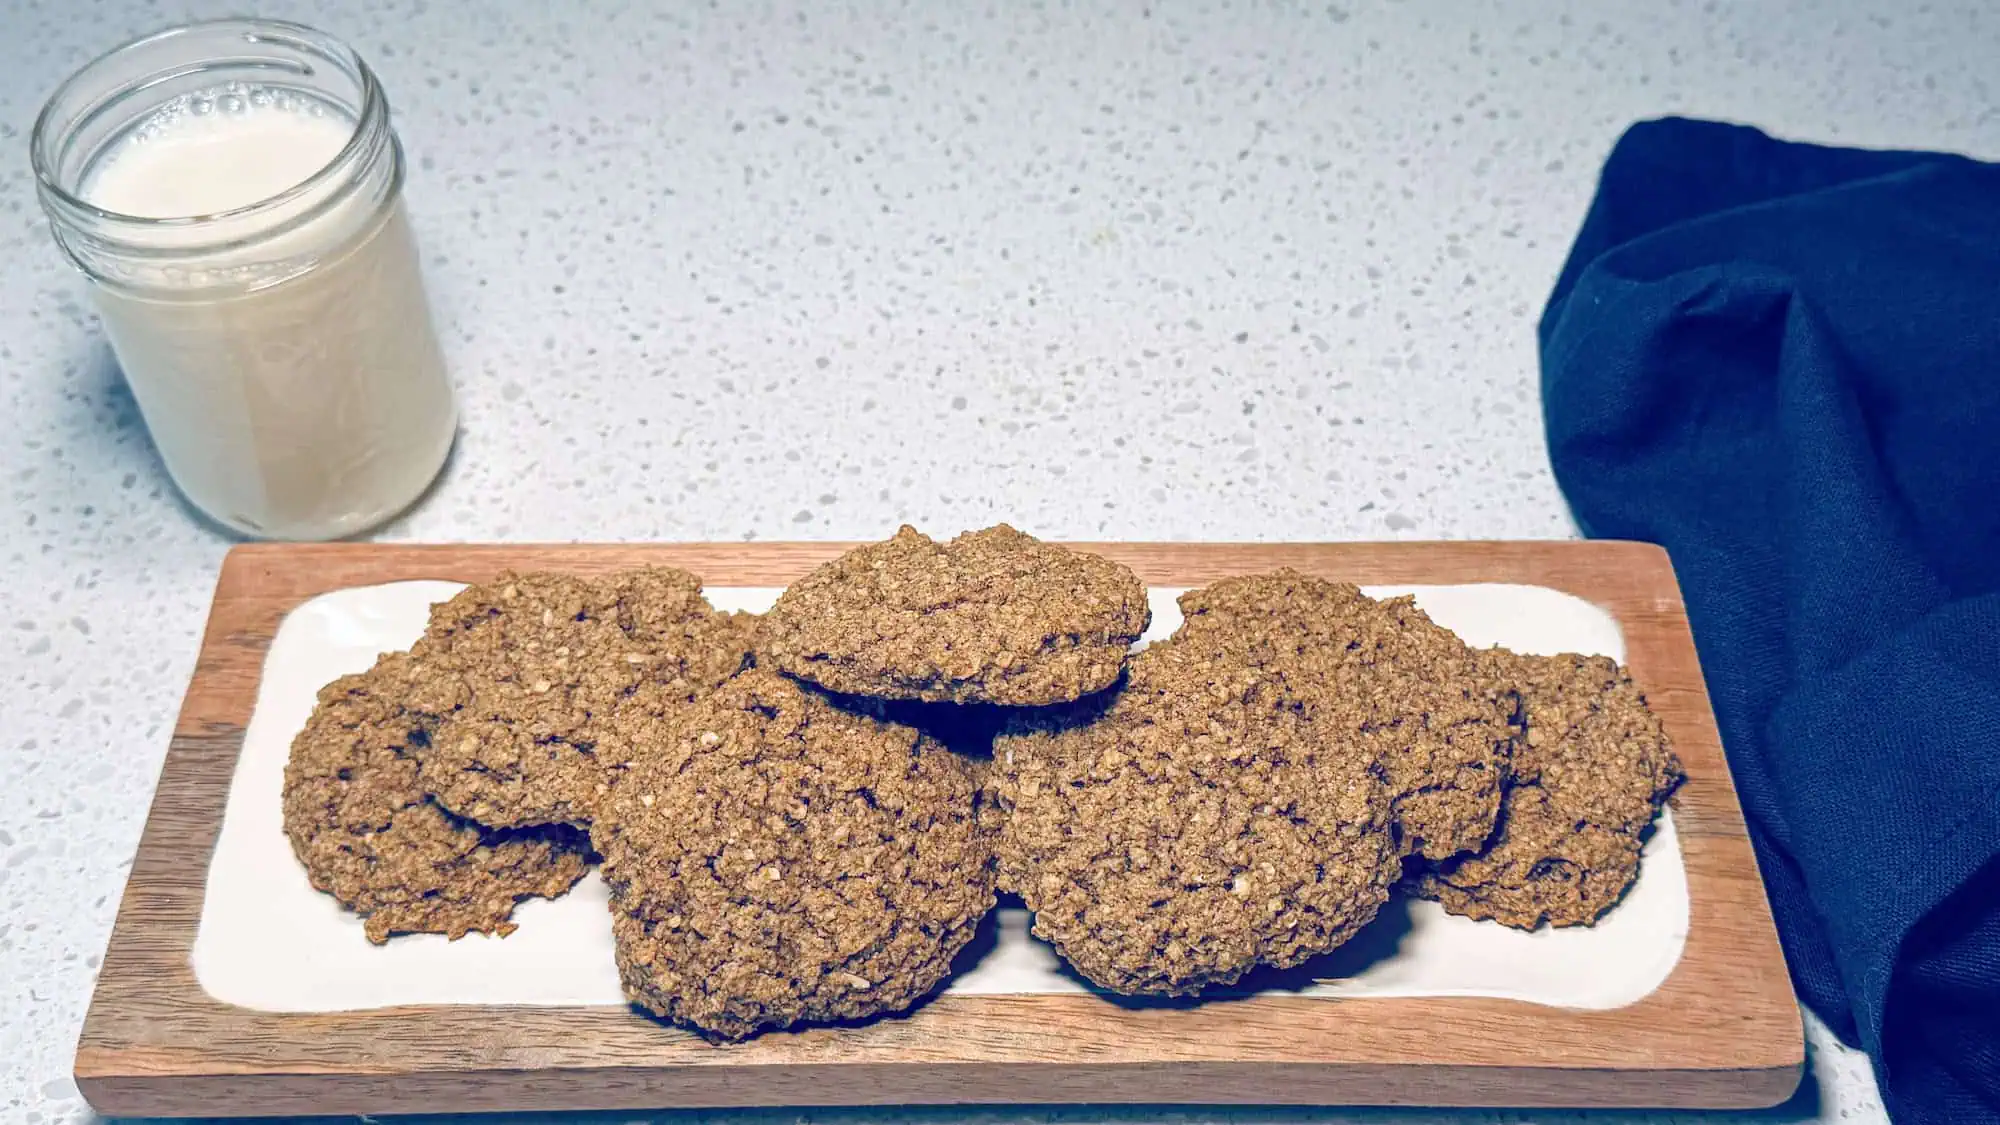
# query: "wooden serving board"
1722,1031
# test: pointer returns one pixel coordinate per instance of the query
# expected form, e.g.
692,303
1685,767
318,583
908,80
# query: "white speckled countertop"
1200,270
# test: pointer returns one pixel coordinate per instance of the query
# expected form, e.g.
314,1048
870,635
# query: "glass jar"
232,191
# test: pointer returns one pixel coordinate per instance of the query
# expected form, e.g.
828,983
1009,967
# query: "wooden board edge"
122,1092
244,564
1772,993
107,986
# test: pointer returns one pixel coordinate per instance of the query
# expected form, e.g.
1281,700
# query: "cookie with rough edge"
1592,770
359,821
992,616
1204,821
691,646
1434,712
779,860
540,662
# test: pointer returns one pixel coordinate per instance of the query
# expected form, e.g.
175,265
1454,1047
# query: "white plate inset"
268,941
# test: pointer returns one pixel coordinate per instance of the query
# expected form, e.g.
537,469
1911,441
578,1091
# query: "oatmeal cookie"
1207,821
992,616
540,662
779,860
1590,774
1436,713
359,821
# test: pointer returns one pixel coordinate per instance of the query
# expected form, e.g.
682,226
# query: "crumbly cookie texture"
537,665
359,821
779,860
1433,709
1207,821
993,616
688,648
1591,772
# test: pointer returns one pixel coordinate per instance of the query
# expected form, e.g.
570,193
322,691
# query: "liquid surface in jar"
286,364
217,151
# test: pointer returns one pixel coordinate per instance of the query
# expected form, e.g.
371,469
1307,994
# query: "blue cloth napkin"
1782,363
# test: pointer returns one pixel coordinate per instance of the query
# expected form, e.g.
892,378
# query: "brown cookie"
1209,820
539,663
992,616
359,821
1436,713
779,860
1591,772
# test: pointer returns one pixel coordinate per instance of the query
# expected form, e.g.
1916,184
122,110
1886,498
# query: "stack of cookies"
433,791
804,817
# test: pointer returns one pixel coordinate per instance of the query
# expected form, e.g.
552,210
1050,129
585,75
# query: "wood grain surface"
1723,1031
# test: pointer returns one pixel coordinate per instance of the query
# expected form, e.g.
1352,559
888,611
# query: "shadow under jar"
233,193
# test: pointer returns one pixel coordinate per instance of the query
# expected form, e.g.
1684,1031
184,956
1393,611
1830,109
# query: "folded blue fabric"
1782,363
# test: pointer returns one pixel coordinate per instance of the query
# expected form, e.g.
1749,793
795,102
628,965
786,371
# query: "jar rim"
43,153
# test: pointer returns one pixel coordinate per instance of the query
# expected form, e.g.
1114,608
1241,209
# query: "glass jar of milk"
233,193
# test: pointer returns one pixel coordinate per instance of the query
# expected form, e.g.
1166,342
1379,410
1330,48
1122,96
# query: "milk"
291,376
203,156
